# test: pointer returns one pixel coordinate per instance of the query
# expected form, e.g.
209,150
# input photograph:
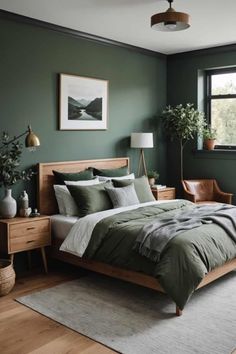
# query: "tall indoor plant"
10,153
184,123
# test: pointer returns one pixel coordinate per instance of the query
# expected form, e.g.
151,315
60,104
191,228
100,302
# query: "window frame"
210,97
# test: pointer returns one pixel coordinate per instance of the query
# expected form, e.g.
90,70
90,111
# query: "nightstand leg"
44,259
29,259
12,258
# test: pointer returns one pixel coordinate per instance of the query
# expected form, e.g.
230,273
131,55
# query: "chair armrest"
189,196
223,197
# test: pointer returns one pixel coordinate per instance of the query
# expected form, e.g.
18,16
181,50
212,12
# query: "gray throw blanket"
155,236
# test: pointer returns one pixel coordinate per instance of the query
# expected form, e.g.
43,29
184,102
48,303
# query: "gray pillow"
141,186
122,196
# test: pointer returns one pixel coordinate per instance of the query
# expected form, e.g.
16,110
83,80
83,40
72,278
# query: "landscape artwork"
83,103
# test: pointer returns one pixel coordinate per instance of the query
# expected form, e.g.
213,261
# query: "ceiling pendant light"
170,20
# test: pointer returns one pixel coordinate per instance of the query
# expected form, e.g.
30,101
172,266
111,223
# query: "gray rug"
135,320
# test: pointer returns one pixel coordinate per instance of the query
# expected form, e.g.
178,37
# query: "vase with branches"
10,154
184,123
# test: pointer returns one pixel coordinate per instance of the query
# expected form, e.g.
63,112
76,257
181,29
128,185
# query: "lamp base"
142,169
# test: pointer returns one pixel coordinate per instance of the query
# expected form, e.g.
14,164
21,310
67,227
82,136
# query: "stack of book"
159,186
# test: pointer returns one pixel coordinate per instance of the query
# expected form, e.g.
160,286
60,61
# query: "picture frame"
83,103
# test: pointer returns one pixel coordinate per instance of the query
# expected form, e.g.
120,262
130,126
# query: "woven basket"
7,276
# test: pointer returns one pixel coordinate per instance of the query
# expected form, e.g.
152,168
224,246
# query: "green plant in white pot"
10,153
152,177
184,123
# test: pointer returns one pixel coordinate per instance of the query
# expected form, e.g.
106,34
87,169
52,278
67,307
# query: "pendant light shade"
170,20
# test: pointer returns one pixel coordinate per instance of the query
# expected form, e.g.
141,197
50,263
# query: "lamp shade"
141,140
31,140
170,20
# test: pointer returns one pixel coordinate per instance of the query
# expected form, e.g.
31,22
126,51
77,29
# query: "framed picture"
83,103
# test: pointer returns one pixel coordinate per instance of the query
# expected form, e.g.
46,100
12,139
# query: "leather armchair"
205,191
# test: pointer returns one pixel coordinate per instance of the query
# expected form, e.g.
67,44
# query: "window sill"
216,153
204,151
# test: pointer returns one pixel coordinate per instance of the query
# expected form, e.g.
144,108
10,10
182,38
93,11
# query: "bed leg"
178,311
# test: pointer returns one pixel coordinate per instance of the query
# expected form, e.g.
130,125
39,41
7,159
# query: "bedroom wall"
184,85
30,60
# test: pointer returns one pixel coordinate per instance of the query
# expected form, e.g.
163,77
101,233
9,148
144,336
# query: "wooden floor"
24,331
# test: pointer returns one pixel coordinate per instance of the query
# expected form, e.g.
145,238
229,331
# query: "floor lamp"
142,141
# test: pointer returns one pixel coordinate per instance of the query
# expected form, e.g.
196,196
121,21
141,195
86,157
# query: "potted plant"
152,177
183,123
209,138
10,153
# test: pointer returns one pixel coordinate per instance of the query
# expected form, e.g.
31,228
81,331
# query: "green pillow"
91,199
141,187
114,172
61,177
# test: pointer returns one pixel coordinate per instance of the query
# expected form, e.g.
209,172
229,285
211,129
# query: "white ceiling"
212,21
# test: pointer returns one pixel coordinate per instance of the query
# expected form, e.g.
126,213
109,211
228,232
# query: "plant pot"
209,144
7,276
8,206
151,181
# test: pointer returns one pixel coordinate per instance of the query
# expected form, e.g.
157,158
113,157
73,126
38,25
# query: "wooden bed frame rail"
47,205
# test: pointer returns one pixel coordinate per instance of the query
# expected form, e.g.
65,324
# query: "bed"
47,205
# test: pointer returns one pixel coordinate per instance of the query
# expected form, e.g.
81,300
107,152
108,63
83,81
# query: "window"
221,105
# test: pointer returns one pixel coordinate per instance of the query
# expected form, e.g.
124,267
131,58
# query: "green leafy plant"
183,123
152,174
209,133
10,154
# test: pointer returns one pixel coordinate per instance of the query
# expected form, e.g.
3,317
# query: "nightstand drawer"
166,195
29,241
28,228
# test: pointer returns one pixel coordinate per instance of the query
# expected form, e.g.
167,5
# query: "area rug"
134,320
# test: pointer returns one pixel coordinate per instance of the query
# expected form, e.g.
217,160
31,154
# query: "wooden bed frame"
47,205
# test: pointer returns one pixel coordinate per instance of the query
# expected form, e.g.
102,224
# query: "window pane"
223,119
224,84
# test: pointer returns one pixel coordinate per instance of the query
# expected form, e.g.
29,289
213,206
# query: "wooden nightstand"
164,193
25,234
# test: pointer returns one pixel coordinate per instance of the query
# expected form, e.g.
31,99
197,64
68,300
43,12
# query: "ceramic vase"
8,206
151,181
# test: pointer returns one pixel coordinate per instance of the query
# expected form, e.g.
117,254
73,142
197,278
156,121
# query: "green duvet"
183,263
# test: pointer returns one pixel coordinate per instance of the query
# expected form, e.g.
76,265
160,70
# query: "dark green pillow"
61,177
114,172
91,199
141,187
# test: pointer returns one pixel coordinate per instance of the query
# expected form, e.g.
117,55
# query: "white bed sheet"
61,225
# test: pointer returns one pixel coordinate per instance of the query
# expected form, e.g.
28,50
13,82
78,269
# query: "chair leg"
178,311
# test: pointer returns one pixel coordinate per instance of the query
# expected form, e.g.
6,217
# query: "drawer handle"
30,228
30,241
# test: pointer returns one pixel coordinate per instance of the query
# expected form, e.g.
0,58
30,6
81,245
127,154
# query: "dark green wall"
183,86
31,58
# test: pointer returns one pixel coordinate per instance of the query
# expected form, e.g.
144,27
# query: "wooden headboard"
47,204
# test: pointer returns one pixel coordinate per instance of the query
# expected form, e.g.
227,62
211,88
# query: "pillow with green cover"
61,177
114,172
141,187
91,199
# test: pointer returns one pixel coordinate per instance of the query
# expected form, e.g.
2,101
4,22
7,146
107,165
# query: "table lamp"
141,141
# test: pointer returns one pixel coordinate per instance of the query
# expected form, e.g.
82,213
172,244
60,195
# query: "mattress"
61,225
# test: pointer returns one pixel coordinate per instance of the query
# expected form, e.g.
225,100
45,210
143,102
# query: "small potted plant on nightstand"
152,177
209,138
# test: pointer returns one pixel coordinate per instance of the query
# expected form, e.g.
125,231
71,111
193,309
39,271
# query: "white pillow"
103,178
65,201
89,182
